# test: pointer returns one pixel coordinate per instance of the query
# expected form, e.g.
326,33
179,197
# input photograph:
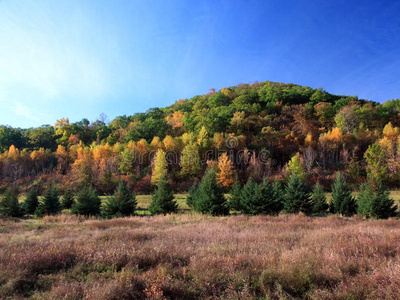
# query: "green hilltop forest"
261,126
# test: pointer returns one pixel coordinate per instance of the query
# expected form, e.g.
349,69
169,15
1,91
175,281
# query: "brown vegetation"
200,257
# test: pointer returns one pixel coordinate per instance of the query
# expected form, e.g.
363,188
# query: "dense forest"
260,126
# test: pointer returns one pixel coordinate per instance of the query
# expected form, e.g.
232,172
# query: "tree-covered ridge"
329,133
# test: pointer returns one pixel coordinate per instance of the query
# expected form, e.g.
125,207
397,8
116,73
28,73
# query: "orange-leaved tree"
226,173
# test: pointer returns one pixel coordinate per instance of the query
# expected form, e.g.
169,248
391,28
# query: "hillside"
261,126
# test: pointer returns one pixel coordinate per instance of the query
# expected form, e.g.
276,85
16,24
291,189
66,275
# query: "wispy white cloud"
24,111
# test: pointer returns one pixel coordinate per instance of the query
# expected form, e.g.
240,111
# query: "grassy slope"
199,257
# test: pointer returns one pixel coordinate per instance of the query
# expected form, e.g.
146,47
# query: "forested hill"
327,132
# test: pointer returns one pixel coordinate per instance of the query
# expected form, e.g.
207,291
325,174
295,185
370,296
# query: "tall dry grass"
200,257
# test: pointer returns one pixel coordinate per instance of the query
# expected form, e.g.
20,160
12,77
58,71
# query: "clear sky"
78,59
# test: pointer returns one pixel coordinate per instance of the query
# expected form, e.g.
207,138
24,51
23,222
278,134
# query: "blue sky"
78,59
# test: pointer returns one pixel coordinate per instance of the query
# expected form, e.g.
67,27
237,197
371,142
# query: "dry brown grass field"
189,256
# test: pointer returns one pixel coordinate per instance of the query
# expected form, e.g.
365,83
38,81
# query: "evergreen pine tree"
319,199
235,196
162,201
343,202
31,202
50,204
264,198
87,202
122,203
297,196
364,199
67,200
273,197
373,201
382,207
209,197
279,190
250,197
9,206
190,199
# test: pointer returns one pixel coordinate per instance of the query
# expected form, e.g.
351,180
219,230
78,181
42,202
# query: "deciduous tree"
226,171
159,167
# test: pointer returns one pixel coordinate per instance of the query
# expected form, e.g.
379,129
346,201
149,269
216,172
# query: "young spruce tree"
31,202
50,204
261,198
87,202
122,203
67,200
162,201
373,201
190,199
235,196
208,198
319,199
297,196
343,202
9,206
250,197
382,207
364,199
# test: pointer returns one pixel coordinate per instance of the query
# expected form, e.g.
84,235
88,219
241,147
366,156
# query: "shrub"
162,201
343,202
31,202
143,186
67,200
297,196
296,281
9,206
319,199
208,198
87,202
50,204
122,203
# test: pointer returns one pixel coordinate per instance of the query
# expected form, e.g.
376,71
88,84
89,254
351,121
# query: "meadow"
191,256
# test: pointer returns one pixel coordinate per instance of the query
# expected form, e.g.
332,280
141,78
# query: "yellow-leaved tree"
296,167
190,160
159,167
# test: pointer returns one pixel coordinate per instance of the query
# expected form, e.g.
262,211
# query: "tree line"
328,133
86,202
207,197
